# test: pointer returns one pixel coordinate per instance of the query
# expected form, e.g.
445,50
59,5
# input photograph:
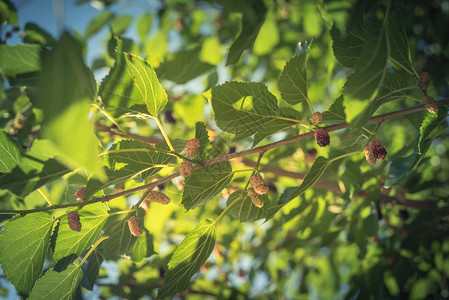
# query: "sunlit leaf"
202,134
23,247
244,209
348,49
98,22
400,50
188,258
19,59
11,153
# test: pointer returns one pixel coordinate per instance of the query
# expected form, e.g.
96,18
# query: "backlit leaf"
19,59
10,152
244,209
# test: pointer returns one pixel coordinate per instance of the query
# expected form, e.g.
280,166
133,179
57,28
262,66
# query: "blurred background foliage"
345,238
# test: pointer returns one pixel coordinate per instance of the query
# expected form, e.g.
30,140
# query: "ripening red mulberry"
134,226
185,168
258,184
424,80
73,219
316,118
193,148
158,197
378,150
322,137
80,194
255,197
369,156
430,104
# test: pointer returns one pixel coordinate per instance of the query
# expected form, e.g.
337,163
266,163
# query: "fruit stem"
144,196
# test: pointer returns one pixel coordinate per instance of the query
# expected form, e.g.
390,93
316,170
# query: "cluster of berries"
321,135
192,151
375,151
258,188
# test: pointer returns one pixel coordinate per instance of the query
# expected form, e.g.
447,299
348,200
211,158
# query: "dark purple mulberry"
322,137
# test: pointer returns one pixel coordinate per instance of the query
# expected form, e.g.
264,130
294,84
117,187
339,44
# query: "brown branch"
376,119
418,204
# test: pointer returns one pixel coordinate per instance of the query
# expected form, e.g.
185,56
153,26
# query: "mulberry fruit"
134,226
73,219
193,148
158,197
424,80
430,104
316,118
377,149
80,194
255,197
258,185
322,137
185,168
369,156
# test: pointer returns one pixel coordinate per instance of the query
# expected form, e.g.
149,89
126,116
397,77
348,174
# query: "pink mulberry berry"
80,194
193,148
424,80
134,226
430,104
369,156
73,219
258,184
185,168
316,118
322,137
377,149
158,197
255,197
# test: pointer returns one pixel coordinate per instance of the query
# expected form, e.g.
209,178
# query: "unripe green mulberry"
73,218
158,197
316,118
134,226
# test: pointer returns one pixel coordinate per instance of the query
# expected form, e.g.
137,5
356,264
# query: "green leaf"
370,225
98,22
58,285
293,81
19,59
10,152
268,37
143,25
127,159
143,247
400,50
132,87
372,66
91,269
419,289
318,168
36,168
34,34
189,256
184,66
205,183
120,24
8,12
92,218
23,247
66,87
248,108
348,49
120,239
336,113
254,12
244,209
202,134
428,125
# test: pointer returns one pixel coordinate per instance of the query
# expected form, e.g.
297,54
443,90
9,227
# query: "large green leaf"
293,81
202,134
336,113
248,108
98,22
143,247
205,183
401,167
244,209
19,59
23,247
132,87
372,66
58,285
66,87
400,50
91,269
10,152
184,66
254,12
120,24
34,34
188,258
36,168
348,48
92,218
127,159
318,168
